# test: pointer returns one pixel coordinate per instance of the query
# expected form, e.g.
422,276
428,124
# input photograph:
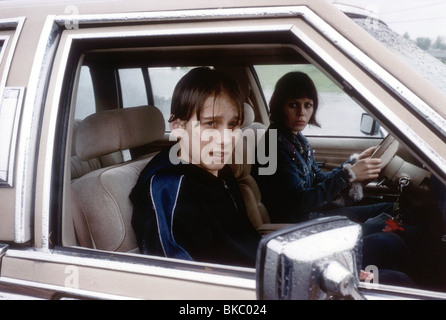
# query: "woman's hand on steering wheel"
366,169
367,153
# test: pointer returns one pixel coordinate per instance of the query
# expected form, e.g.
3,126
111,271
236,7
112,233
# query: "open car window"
84,102
110,79
137,86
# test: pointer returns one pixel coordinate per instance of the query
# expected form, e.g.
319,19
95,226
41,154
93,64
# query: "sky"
419,18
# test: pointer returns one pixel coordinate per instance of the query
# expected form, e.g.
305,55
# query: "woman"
187,203
299,190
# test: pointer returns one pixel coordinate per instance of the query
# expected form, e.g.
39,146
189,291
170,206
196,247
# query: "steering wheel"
393,167
386,150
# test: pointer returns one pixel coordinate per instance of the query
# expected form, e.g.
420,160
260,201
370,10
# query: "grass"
270,74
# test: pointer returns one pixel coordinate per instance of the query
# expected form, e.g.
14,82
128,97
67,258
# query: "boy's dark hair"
293,85
199,84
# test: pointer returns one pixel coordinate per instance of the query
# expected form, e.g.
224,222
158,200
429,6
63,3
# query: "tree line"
426,43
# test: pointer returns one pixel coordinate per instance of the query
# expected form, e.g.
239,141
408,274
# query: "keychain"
396,222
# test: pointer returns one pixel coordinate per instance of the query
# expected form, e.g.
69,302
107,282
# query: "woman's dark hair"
293,85
199,84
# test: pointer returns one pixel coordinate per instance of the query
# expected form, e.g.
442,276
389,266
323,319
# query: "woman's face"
298,113
212,139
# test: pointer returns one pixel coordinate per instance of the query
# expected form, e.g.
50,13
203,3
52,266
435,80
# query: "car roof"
88,7
38,11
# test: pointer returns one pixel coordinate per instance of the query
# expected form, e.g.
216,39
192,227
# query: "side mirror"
368,125
315,260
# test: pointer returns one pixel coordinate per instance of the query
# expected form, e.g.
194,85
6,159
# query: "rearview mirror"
315,260
368,125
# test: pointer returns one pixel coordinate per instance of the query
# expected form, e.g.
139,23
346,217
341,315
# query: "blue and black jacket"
182,211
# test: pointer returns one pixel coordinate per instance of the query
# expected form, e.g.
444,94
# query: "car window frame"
3,43
56,97
71,37
10,30
48,53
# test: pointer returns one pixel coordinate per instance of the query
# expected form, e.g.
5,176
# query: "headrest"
120,129
240,168
249,115
76,124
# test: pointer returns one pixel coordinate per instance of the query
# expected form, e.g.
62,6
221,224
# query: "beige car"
85,92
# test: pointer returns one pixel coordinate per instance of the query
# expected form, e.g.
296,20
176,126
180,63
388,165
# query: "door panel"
331,152
65,274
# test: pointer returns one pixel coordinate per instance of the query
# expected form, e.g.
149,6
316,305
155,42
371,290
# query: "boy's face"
212,139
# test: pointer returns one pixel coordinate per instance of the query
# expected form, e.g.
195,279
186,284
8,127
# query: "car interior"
98,168
113,139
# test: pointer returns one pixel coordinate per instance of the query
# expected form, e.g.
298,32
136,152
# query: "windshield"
425,64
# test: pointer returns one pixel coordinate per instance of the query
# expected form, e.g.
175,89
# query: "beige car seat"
241,167
102,209
80,167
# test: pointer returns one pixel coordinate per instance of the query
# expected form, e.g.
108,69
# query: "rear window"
85,100
137,87
163,81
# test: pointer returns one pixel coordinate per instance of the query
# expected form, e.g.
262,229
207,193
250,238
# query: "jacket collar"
297,140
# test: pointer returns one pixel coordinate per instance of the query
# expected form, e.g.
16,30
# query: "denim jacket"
298,188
